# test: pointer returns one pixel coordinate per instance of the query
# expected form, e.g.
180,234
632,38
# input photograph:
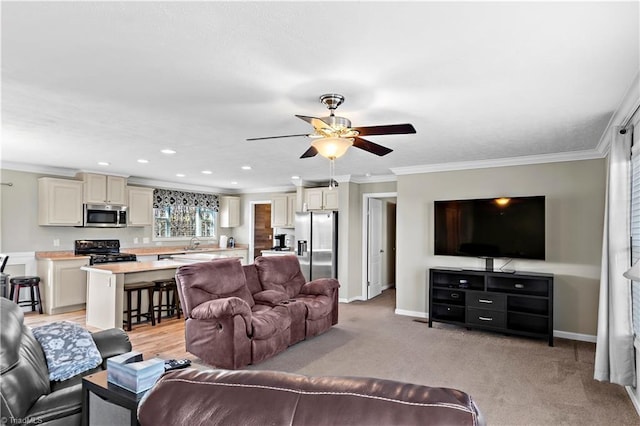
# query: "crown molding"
623,114
501,162
178,186
267,189
374,179
34,168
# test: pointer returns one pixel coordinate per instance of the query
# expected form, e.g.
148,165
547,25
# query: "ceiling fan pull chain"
332,172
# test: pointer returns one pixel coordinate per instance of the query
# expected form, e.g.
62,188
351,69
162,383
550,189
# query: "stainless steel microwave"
104,216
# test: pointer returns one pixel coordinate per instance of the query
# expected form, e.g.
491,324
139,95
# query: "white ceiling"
84,82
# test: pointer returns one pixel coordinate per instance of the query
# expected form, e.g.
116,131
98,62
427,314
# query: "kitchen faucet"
194,242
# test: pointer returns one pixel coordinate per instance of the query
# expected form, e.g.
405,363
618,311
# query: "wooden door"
262,230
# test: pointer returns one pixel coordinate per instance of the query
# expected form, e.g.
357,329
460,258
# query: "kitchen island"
105,287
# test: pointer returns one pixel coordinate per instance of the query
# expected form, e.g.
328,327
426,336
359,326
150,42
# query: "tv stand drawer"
486,318
484,300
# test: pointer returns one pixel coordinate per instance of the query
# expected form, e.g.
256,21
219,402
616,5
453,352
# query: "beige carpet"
514,381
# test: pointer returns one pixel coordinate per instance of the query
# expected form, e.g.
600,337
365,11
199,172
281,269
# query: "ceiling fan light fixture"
332,148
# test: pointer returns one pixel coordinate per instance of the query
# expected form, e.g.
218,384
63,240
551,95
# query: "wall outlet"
135,240
56,242
145,240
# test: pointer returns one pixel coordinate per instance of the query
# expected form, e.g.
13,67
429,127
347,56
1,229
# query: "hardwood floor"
164,340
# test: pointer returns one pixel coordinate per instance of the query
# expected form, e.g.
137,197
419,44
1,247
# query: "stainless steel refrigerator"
317,244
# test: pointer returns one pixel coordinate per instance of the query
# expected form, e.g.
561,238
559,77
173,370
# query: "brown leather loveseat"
222,397
238,315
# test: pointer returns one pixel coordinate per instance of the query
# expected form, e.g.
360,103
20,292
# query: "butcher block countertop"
139,251
130,267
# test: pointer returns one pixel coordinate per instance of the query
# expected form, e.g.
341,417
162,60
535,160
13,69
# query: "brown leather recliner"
238,315
224,326
220,397
282,274
27,396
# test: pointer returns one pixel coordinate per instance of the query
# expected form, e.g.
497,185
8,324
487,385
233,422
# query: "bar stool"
138,288
167,287
30,282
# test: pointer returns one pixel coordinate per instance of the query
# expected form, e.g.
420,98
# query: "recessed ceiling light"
143,161
234,183
168,151
367,174
207,172
104,163
295,177
180,175
246,167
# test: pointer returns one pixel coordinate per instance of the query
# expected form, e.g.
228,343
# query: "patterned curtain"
168,198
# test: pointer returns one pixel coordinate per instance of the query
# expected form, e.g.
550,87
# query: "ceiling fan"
333,135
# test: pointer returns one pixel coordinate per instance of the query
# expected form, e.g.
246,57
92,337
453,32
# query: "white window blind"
635,227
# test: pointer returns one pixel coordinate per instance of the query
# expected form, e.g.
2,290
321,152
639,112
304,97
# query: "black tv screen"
493,227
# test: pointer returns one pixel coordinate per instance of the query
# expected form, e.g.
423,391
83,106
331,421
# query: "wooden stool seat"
172,301
138,287
33,284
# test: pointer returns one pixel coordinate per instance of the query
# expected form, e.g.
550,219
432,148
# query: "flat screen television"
492,227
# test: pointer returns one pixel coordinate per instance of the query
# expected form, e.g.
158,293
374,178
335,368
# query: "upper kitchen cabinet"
104,189
59,202
140,206
321,198
283,210
229,215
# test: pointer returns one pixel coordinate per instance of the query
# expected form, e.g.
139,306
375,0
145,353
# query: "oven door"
104,216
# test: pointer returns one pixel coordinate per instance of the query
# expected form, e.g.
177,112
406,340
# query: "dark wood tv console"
511,303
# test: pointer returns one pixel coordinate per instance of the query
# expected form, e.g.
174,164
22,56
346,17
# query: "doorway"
378,243
262,230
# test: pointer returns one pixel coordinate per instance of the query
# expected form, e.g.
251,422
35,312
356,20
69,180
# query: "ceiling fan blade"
371,147
311,152
276,137
317,123
389,129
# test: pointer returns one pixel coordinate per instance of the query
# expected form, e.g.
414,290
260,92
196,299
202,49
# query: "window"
180,215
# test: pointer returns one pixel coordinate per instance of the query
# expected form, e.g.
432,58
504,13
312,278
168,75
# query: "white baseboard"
353,299
574,336
412,313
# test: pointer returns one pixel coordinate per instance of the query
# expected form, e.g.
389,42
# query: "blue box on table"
130,372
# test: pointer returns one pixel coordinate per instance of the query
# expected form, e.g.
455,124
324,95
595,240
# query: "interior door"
374,249
262,230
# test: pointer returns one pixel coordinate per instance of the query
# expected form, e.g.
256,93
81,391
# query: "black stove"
102,251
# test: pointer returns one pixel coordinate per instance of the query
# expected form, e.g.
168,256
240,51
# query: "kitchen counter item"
223,241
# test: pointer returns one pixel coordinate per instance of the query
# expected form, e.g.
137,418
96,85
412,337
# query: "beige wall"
575,203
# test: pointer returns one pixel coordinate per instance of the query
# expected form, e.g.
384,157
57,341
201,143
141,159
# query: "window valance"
169,198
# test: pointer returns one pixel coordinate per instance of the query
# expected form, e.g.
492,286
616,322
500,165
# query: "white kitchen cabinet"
140,206
283,211
104,189
63,285
243,253
321,198
59,202
229,214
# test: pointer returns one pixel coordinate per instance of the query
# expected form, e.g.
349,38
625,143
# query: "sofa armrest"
270,297
222,308
111,342
225,308
321,286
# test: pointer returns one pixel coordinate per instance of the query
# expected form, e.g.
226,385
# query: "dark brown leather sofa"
223,397
238,315
28,397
